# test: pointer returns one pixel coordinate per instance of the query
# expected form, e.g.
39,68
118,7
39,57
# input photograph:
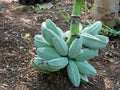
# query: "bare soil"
16,52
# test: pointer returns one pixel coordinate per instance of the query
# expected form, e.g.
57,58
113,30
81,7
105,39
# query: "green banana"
60,46
60,31
84,78
75,48
37,64
52,26
40,42
73,73
94,29
85,68
86,54
42,65
94,42
60,62
103,38
47,53
47,33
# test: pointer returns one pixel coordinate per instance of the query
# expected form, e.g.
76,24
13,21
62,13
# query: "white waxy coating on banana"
85,68
75,48
52,26
94,29
83,78
86,54
47,33
40,42
60,62
47,53
48,65
73,73
60,46
94,42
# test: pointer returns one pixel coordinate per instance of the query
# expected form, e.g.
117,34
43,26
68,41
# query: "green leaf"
26,36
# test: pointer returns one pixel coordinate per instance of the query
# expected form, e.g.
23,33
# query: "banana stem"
75,20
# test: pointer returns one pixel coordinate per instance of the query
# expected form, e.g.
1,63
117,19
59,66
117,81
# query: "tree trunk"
106,11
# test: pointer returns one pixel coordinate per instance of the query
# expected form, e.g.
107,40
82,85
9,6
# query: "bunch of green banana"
54,54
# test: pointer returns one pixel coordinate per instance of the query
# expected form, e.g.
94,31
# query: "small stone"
21,47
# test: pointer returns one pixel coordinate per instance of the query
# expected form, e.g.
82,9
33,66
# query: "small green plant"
38,8
26,36
86,6
110,31
72,49
66,16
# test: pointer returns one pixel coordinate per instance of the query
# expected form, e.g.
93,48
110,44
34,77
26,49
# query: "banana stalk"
74,26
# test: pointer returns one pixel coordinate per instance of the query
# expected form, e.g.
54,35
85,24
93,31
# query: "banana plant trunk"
106,11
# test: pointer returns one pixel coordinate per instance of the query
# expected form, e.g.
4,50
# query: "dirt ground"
16,52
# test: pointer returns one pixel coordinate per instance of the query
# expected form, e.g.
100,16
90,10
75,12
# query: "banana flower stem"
75,20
